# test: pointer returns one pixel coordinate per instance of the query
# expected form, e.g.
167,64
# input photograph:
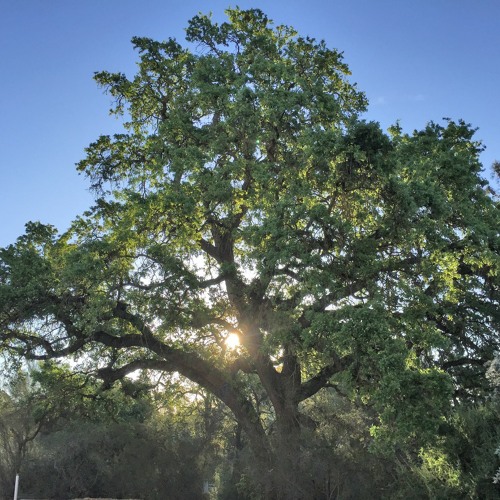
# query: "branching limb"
321,379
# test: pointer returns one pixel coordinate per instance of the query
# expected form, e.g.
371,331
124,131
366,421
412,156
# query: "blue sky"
417,61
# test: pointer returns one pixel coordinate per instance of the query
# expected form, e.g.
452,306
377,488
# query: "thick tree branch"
462,362
32,343
320,380
197,370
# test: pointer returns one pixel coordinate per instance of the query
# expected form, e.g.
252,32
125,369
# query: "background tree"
245,197
70,439
21,420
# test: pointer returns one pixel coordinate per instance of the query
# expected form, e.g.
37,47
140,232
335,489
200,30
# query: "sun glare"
232,341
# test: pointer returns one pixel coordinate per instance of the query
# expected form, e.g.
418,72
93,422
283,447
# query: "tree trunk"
288,474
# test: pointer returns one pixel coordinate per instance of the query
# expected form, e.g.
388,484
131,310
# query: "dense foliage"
358,269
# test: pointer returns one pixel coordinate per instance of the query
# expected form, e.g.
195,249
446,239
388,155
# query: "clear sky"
417,60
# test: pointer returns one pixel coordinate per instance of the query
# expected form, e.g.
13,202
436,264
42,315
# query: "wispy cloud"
380,100
416,97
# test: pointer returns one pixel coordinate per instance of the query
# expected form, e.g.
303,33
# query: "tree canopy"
246,196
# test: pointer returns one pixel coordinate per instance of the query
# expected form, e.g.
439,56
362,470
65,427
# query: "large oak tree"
246,197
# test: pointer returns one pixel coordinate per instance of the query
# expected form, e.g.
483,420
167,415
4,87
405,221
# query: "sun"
232,341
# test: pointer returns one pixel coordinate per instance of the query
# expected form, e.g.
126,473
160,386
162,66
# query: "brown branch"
33,342
241,364
209,249
463,361
200,371
321,379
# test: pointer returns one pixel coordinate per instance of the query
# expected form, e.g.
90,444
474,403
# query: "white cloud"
380,100
416,97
